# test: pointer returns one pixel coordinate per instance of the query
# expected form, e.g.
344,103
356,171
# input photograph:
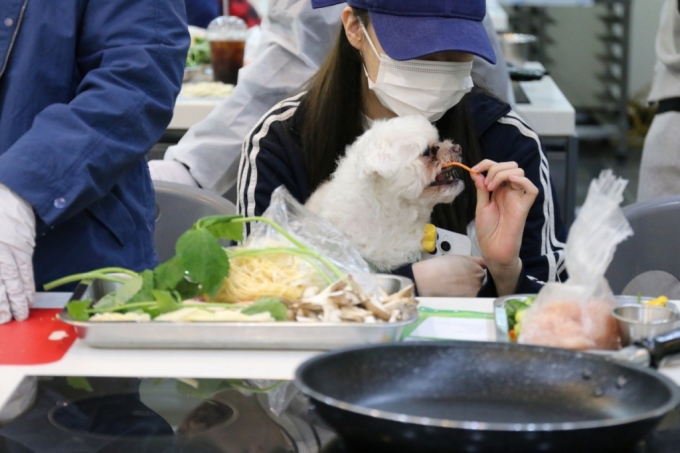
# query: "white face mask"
419,87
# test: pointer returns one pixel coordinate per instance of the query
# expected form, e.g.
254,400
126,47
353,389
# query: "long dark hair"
332,119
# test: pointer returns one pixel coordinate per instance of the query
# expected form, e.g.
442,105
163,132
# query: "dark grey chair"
655,245
177,208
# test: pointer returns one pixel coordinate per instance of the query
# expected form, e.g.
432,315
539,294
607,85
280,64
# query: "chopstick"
458,164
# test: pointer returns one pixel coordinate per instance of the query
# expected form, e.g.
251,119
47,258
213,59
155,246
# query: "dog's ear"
381,159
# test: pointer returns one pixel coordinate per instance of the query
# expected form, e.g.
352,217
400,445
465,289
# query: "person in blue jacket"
86,88
372,73
201,12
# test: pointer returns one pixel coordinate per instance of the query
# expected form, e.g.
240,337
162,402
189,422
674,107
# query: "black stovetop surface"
123,415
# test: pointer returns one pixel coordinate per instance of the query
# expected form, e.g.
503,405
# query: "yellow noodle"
277,275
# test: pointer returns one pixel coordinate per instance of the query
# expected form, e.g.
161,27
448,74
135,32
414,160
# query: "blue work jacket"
87,87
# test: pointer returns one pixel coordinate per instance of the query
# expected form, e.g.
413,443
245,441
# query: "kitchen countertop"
190,110
548,112
82,360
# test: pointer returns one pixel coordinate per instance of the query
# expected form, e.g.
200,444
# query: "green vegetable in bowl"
515,309
199,52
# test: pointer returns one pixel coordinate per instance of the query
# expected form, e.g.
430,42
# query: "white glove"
171,171
17,240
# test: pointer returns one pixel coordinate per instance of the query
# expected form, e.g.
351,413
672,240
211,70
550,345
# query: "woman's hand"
504,198
449,276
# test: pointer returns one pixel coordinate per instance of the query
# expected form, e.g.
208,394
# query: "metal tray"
234,335
501,315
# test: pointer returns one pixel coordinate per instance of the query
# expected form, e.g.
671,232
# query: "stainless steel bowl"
392,283
637,322
516,47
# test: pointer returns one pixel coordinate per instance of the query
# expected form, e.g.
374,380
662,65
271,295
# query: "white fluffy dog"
385,187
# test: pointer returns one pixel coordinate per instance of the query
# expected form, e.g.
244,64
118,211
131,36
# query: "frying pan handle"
662,346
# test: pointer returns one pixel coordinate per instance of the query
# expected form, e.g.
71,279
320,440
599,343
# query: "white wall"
576,45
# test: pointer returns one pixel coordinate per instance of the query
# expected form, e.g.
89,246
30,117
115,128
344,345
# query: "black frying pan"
484,397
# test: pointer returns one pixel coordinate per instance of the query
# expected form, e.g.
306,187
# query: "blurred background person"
660,165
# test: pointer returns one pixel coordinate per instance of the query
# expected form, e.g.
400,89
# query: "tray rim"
79,291
64,317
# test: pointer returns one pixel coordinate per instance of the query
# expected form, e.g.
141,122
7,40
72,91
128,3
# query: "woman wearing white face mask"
402,57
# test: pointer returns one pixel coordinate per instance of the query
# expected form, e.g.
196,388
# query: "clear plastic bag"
314,232
576,314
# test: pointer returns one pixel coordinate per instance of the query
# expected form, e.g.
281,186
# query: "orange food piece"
458,164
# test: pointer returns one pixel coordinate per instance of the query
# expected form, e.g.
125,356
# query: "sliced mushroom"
374,305
398,303
310,314
311,307
354,314
303,319
310,291
357,289
395,316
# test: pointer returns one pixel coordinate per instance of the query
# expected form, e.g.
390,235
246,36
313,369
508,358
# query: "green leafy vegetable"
77,309
187,289
271,304
169,274
514,306
122,294
222,227
166,303
145,294
206,260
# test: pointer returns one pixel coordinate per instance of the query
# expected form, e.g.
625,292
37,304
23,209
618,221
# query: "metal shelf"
615,59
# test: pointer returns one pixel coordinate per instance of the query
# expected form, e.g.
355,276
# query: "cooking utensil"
637,322
486,397
516,47
235,335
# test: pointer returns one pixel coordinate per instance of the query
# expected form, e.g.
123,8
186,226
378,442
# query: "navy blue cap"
409,29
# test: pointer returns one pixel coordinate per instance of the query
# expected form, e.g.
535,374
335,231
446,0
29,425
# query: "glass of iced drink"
227,37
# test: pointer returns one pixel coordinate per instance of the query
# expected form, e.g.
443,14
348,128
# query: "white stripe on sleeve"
550,245
245,203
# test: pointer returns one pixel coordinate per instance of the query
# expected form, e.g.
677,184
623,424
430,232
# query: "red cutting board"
27,342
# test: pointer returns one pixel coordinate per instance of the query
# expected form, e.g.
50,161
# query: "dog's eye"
431,151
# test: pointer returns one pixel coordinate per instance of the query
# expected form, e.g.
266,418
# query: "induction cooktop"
112,415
